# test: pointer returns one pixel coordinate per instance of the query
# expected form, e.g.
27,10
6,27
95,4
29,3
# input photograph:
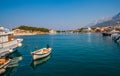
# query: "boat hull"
106,34
116,37
9,47
39,56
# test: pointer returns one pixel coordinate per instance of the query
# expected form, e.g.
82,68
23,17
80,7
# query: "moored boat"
110,33
116,37
7,41
106,34
41,53
3,64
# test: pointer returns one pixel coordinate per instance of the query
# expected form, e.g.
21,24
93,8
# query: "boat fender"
19,44
10,50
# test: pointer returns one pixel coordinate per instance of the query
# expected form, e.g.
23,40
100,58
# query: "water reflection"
16,57
89,37
39,62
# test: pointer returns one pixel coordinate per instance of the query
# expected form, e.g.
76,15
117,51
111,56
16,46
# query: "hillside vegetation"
29,28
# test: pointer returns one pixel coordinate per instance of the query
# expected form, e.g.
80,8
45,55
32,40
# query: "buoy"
20,58
19,45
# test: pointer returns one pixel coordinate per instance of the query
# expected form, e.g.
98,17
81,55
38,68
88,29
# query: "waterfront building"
51,31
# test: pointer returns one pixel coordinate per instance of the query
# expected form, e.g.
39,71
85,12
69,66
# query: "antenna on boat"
47,46
51,42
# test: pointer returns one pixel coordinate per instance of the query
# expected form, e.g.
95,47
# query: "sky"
55,14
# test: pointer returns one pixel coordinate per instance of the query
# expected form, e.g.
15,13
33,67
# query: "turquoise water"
72,55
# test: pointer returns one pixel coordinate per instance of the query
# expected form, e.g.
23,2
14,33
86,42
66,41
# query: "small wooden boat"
38,54
3,64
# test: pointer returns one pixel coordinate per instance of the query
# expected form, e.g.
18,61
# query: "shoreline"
29,34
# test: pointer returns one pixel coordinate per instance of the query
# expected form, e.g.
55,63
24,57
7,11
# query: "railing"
7,44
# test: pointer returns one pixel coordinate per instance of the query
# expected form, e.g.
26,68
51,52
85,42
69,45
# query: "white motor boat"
7,41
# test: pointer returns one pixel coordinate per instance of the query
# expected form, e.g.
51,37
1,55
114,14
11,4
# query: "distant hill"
114,21
29,28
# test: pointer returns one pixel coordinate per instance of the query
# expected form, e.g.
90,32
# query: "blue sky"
55,14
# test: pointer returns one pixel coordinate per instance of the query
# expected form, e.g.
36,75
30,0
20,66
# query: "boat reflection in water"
16,57
39,62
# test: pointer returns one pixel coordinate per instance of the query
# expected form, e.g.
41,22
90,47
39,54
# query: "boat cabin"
5,36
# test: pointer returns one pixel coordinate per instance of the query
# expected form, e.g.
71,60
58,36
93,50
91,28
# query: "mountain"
103,19
115,20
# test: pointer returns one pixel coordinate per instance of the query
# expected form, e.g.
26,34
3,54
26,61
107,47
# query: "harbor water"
72,55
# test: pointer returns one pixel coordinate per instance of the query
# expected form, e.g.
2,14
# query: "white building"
52,31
